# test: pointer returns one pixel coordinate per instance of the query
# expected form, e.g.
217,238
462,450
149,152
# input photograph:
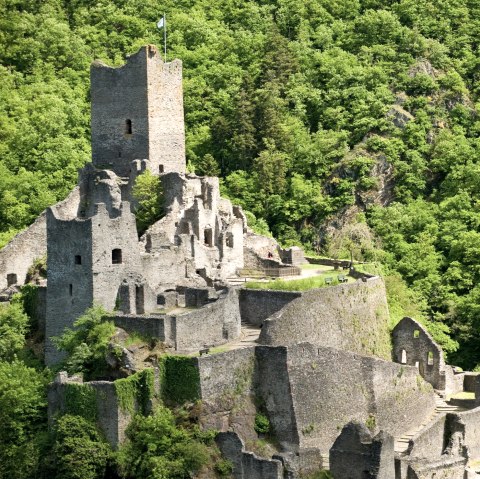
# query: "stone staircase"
248,337
441,407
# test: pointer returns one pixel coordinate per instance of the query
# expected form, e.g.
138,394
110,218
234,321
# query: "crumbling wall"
247,465
110,417
352,317
431,441
468,423
227,393
137,113
356,454
413,345
256,305
213,324
330,388
19,254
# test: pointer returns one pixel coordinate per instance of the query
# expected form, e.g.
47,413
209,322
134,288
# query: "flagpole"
165,35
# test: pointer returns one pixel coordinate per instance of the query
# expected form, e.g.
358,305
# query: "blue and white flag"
161,22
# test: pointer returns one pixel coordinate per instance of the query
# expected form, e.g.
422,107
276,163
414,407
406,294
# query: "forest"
345,126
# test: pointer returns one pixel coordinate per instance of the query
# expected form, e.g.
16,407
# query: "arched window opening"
404,357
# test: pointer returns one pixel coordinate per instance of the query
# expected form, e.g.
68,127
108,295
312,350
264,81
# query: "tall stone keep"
137,113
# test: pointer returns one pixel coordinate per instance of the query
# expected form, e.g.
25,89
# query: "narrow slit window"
430,358
78,259
404,357
70,289
128,127
116,256
161,169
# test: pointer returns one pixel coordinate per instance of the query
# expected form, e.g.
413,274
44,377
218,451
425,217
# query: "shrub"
224,467
148,194
262,424
13,327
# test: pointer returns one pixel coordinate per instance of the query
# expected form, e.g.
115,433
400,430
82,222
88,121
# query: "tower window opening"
208,237
11,279
70,289
161,169
116,256
128,127
78,259
430,358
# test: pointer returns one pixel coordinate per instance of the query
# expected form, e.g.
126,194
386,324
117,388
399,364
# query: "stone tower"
137,113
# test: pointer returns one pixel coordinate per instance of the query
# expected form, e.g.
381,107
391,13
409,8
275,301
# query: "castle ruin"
339,391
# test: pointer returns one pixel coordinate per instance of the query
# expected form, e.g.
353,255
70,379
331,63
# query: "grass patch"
297,284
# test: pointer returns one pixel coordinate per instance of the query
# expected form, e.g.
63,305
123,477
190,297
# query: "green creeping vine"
179,379
137,389
81,400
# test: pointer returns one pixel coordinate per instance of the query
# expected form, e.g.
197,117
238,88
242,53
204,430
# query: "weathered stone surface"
352,317
356,454
131,121
413,345
246,464
19,254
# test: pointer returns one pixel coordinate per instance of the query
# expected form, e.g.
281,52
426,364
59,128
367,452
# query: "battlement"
137,113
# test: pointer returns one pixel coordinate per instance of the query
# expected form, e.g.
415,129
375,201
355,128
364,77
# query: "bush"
262,424
79,452
158,449
13,327
224,467
86,345
148,194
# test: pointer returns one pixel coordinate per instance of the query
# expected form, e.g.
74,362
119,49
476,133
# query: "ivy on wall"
179,379
81,400
138,389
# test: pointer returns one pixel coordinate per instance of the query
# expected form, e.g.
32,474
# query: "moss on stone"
180,379
136,390
81,400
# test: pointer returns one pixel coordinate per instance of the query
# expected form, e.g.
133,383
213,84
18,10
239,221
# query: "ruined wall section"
213,324
256,305
413,345
330,388
119,95
352,317
165,115
70,282
137,113
227,392
116,257
19,254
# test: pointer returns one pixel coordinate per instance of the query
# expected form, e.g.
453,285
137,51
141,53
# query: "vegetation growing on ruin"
304,284
179,379
81,400
13,327
148,193
136,390
86,344
159,448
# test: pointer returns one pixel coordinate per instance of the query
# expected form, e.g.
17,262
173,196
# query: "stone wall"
413,345
157,326
213,324
356,454
258,304
468,423
247,465
19,254
227,393
111,419
330,388
137,113
352,317
430,442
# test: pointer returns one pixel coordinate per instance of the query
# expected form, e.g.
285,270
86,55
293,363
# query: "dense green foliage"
148,193
291,102
180,380
137,389
78,451
159,449
13,327
86,344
